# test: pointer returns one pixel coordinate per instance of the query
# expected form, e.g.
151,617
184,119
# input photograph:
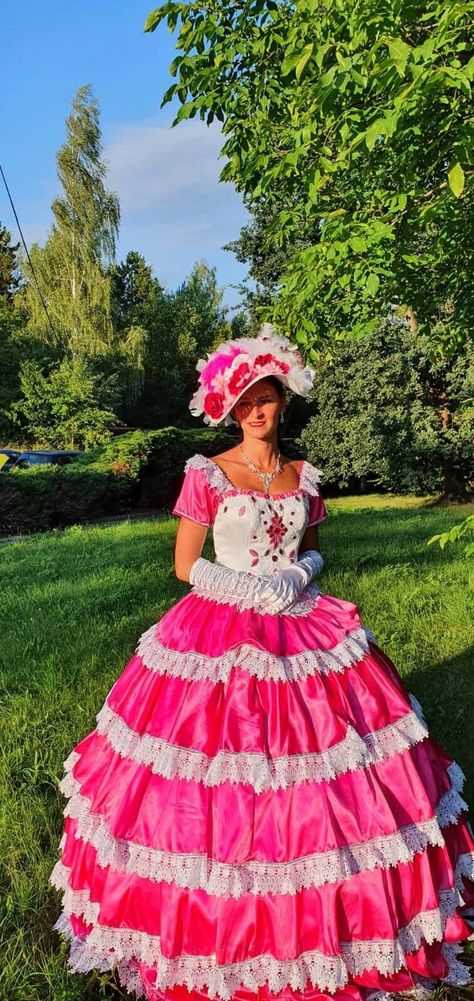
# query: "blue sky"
174,209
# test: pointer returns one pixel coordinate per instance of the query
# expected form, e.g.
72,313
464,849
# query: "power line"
38,289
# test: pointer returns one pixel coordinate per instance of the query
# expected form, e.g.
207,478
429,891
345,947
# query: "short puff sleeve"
310,480
317,510
197,500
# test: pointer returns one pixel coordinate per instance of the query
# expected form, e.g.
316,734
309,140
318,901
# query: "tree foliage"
9,271
180,327
69,408
392,416
72,267
133,291
352,123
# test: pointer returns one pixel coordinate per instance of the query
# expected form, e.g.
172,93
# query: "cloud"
174,208
152,165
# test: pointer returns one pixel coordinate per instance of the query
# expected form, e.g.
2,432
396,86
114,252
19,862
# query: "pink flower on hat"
262,360
240,378
218,364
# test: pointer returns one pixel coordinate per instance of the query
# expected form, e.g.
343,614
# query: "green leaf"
303,62
372,284
399,52
469,69
289,62
321,52
186,111
153,19
168,94
373,132
456,180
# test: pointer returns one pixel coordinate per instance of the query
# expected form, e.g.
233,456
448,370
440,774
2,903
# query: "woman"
260,812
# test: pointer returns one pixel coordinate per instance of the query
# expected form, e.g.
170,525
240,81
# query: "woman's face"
258,410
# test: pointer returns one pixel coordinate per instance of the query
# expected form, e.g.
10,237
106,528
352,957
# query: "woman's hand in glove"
282,589
285,586
222,580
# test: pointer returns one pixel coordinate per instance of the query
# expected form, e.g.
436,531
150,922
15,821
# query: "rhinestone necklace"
266,478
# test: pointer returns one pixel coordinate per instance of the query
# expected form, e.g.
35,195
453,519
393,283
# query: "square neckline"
259,493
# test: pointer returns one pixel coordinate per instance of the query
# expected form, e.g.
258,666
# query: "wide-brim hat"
236,365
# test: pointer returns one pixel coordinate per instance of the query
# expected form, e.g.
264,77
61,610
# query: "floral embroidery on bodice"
258,532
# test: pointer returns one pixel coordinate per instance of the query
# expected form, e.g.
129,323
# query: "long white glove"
286,585
219,579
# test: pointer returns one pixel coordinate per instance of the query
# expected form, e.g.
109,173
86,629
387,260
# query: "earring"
282,418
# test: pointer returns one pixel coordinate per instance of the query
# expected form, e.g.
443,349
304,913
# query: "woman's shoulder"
207,467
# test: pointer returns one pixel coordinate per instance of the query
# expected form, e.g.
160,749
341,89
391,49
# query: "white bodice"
257,532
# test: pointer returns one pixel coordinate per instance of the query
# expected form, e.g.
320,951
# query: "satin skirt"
260,813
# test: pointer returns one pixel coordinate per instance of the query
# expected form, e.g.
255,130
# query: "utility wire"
38,288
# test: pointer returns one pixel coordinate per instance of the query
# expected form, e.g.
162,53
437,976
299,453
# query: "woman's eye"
246,407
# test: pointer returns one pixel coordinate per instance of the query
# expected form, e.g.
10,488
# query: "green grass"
73,606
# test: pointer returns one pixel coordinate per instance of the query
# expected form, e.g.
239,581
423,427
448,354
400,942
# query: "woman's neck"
262,452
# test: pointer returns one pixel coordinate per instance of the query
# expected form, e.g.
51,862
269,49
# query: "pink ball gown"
260,813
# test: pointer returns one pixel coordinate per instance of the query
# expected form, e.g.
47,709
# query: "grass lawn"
73,606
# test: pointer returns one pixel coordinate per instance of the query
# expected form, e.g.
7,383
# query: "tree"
265,265
72,267
353,123
133,291
9,272
69,408
392,416
181,326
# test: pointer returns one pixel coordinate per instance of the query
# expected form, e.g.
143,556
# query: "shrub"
142,467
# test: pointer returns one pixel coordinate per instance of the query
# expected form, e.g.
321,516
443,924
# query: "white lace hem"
223,979
223,879
260,663
256,769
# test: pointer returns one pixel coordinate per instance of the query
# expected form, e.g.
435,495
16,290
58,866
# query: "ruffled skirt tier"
260,813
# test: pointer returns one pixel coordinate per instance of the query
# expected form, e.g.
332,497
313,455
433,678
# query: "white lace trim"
225,879
458,975
254,768
223,979
304,603
214,474
417,709
261,663
310,479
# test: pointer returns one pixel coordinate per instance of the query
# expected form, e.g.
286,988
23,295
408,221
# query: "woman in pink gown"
260,813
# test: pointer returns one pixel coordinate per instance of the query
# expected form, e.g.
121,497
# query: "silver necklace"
266,478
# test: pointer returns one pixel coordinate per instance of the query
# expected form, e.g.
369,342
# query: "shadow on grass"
446,694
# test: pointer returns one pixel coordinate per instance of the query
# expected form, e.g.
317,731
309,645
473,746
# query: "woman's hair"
272,379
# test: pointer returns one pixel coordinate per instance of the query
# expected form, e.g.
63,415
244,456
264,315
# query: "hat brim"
227,416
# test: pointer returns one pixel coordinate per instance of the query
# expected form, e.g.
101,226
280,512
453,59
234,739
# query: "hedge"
139,468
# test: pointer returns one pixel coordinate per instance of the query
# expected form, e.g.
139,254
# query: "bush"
391,416
142,467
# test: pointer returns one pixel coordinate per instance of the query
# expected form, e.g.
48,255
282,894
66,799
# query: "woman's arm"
189,543
310,539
